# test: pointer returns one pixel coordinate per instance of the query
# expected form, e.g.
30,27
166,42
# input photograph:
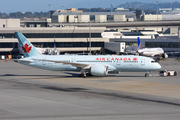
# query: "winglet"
27,48
139,43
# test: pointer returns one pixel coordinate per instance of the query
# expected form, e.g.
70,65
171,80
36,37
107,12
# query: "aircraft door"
142,62
73,60
44,62
118,63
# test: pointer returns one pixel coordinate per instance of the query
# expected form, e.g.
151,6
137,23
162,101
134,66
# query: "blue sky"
8,6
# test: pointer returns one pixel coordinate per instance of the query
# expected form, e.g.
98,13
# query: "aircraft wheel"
146,75
175,73
88,74
81,75
169,74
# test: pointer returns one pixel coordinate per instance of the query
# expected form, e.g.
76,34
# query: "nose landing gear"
147,74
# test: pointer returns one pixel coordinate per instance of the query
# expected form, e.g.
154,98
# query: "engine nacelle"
164,55
99,70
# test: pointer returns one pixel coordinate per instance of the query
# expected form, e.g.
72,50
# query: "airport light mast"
111,11
89,30
157,9
49,10
117,9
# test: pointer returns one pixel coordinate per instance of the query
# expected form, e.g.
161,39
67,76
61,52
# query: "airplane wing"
80,65
21,60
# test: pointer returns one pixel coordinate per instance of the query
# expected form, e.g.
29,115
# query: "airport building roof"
93,13
53,30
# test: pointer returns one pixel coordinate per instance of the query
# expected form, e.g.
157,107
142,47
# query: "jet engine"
164,55
99,70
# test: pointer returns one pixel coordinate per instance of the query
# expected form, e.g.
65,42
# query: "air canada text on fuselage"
116,59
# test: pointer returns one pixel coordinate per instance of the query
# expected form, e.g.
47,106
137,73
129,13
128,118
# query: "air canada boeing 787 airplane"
96,65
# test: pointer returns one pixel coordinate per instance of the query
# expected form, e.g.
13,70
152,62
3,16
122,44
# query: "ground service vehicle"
167,73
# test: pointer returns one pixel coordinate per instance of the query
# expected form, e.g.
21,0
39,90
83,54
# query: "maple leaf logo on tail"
26,48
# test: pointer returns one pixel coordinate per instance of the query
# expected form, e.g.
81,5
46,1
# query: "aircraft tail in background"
27,48
139,43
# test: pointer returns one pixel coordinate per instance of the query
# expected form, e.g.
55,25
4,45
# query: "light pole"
111,11
49,10
171,10
62,8
171,6
157,9
89,30
118,12
117,9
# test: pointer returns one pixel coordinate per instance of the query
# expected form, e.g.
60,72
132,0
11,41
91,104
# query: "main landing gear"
87,74
83,72
81,75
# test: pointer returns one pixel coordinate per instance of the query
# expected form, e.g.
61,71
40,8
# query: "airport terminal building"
68,39
73,39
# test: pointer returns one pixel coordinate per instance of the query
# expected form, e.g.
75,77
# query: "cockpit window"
153,61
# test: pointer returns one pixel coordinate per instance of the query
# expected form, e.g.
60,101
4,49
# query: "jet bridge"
118,47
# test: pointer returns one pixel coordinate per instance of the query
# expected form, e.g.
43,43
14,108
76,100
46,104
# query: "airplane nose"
158,66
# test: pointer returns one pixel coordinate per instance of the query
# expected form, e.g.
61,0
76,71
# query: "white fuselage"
151,51
114,63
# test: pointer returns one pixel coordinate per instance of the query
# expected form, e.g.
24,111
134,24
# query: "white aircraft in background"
96,65
151,52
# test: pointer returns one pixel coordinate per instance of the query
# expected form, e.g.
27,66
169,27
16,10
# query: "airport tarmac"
34,94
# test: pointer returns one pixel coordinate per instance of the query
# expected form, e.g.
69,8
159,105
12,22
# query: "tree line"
24,15
149,8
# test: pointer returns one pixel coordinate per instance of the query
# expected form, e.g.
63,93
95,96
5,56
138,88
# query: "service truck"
168,73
